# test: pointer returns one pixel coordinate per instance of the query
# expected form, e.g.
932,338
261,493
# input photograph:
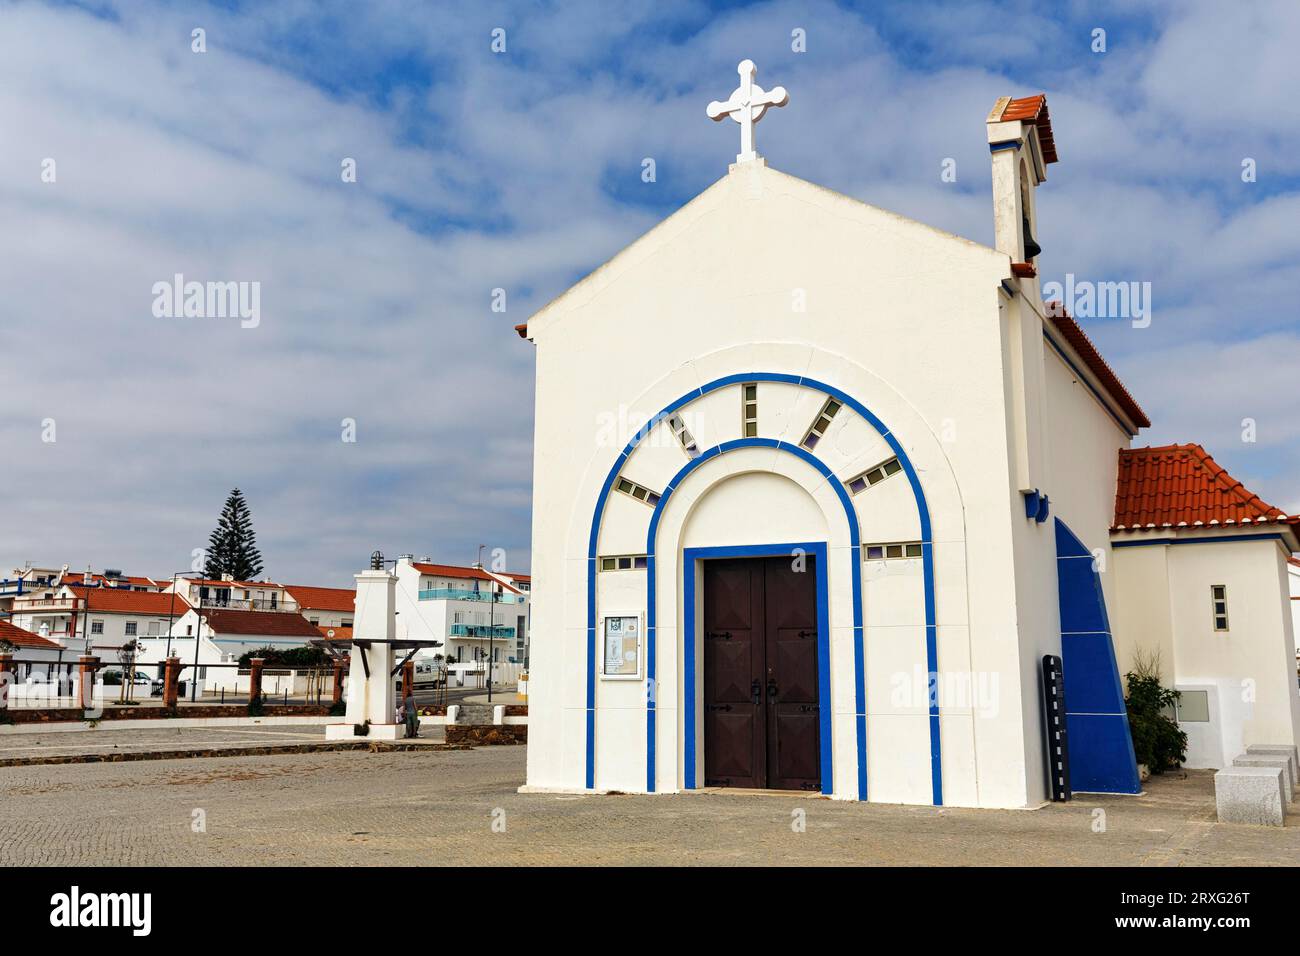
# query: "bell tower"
1021,144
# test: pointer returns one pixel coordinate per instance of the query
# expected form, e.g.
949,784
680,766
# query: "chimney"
1021,144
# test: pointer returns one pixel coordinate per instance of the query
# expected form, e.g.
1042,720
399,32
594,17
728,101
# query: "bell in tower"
1032,248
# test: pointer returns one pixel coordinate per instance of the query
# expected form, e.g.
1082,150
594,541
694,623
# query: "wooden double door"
761,718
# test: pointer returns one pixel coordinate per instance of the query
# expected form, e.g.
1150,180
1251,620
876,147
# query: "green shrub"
304,656
1157,740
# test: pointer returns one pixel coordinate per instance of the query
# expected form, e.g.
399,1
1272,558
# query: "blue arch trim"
859,688
927,554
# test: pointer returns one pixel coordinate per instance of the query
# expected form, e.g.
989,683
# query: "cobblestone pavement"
101,741
438,808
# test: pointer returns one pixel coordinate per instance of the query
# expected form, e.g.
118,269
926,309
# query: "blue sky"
522,170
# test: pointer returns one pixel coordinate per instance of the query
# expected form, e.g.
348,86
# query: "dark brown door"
761,724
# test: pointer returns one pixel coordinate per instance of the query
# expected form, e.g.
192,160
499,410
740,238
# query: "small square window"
625,486
639,562
812,440
875,551
914,551
624,564
892,466
607,564
751,429
858,484
751,393
894,551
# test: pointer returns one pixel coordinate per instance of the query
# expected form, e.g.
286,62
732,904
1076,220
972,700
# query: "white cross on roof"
747,105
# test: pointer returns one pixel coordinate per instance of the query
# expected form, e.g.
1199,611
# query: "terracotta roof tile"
1182,486
323,599
22,638
1080,342
1032,109
269,623
336,633
122,601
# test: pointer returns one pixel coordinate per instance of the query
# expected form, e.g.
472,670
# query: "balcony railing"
464,594
482,630
246,604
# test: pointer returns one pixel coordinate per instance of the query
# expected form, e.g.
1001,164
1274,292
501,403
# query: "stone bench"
1281,761
1279,750
1250,795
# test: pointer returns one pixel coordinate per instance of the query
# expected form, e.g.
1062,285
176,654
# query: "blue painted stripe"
1275,536
1005,144
859,662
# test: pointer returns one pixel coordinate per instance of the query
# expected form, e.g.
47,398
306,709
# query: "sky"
128,157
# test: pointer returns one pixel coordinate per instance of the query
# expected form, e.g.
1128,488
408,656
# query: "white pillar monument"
371,685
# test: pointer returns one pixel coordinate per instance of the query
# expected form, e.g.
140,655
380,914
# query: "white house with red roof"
221,635
96,619
823,500
1202,567
33,653
474,613
326,608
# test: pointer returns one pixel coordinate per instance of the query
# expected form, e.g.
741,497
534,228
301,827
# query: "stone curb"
369,746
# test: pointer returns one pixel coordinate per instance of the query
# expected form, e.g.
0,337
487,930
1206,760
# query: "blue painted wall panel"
1101,747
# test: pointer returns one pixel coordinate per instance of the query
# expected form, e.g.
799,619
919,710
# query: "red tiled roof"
1181,485
323,599
269,623
452,571
22,638
1080,342
337,633
1032,109
122,601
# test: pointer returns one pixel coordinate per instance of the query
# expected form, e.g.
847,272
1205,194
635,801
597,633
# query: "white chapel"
827,499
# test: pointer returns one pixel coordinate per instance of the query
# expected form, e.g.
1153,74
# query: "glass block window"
679,429
820,424
749,409
874,476
892,551
1219,603
639,492
623,562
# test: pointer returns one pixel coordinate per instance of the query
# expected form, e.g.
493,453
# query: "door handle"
771,688
756,692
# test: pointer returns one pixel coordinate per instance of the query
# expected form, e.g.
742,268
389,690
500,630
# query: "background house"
324,607
220,636
472,612
96,619
1202,582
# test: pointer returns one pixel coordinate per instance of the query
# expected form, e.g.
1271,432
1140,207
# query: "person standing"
412,713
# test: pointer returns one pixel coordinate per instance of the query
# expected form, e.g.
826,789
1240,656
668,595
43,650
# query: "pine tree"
232,547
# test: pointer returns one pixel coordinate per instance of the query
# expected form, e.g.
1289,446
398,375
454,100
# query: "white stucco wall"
1251,665
902,317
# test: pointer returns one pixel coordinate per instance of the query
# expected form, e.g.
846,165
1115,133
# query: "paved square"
438,808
